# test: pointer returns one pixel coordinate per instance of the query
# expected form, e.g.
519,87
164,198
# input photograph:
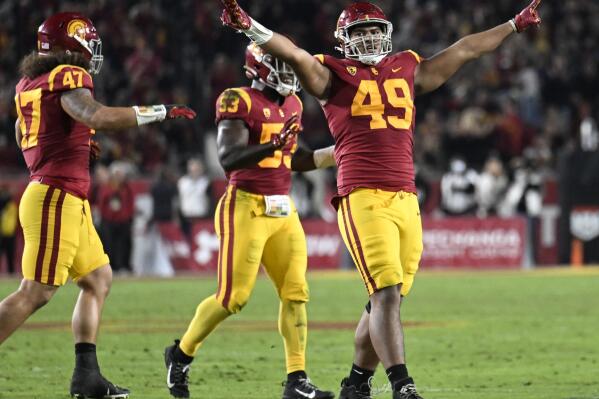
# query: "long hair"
34,64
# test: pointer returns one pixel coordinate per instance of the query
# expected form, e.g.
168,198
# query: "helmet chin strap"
370,59
257,84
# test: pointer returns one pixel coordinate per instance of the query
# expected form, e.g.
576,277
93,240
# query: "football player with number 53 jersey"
57,116
256,220
368,100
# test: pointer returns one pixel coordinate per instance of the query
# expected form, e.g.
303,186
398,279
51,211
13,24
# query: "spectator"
115,203
458,188
194,200
524,193
164,195
301,191
8,227
491,187
152,256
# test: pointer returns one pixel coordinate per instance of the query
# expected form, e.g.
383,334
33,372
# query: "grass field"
491,335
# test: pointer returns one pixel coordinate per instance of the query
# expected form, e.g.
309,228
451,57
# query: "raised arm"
314,77
304,159
81,106
434,72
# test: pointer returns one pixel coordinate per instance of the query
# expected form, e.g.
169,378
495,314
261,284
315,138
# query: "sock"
297,375
181,357
359,377
293,327
85,356
209,314
398,376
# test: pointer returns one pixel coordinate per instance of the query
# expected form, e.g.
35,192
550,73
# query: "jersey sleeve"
69,77
233,104
415,55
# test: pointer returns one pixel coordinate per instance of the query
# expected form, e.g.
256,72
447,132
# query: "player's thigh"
90,253
285,259
242,236
370,232
411,239
50,219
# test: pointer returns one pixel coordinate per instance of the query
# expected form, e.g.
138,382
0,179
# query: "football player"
256,221
57,116
368,99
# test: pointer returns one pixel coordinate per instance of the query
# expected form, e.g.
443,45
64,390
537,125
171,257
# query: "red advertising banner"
474,243
323,240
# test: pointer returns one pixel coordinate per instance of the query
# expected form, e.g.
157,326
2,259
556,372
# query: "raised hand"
289,130
528,17
234,16
174,111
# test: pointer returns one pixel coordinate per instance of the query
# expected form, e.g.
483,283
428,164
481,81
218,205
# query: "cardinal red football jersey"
55,146
263,119
371,114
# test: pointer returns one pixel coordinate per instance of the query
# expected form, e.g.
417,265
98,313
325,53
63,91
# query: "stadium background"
532,105
522,334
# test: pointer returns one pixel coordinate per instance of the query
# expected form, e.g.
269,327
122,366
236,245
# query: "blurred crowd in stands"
492,135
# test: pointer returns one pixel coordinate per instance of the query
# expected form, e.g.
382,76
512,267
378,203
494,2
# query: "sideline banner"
474,243
323,239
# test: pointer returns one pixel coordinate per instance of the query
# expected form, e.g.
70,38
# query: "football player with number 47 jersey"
368,100
256,220
57,117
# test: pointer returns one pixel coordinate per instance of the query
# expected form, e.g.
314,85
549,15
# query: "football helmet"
270,71
368,49
71,31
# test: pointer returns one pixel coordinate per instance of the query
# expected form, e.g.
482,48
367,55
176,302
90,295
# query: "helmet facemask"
281,77
94,47
369,49
95,64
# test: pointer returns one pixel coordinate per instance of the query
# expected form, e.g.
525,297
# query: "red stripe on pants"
221,226
359,246
39,264
230,249
56,241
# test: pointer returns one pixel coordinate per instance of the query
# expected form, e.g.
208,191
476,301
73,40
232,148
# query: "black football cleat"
352,392
407,391
177,374
90,384
304,389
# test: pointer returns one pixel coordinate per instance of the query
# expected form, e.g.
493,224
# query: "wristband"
258,33
149,114
514,27
324,157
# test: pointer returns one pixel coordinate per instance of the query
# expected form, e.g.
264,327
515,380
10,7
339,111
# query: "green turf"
516,335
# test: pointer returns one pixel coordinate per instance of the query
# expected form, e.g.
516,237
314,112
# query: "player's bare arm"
18,134
435,71
234,151
314,77
81,106
304,159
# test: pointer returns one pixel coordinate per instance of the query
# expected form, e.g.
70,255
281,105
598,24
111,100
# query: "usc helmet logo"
77,28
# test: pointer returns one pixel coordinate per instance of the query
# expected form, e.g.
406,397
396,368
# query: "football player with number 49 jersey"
57,116
256,220
368,100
